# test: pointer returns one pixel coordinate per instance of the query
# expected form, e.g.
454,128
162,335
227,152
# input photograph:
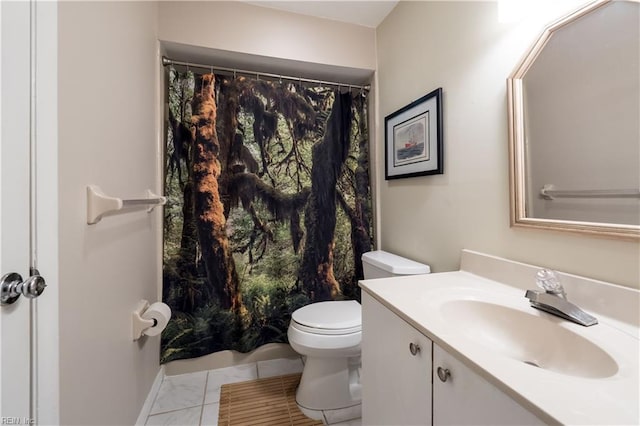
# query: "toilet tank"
381,264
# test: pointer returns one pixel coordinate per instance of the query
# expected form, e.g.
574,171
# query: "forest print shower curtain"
268,207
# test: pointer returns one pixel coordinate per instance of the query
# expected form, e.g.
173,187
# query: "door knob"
443,374
12,287
414,348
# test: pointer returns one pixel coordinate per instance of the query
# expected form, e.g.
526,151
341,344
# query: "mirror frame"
515,106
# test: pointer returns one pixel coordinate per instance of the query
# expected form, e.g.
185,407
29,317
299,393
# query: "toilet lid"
329,317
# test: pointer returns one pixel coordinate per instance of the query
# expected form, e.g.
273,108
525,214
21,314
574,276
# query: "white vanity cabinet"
402,385
396,379
462,397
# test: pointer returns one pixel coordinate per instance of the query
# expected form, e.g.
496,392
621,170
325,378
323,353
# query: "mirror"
574,124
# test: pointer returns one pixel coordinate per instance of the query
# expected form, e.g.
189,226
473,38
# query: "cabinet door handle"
443,374
414,348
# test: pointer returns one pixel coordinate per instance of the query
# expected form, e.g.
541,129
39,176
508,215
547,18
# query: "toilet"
328,334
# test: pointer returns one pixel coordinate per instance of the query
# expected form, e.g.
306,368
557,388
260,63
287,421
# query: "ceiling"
360,12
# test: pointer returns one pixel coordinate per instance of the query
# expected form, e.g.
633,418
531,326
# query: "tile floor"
193,399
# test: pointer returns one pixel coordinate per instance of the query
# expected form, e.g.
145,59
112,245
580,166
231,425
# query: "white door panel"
15,319
47,392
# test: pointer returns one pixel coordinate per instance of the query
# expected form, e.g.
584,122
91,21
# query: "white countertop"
552,396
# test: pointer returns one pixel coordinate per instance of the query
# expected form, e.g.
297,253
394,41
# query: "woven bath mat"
270,401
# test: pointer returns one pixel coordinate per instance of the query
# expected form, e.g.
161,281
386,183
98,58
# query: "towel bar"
99,204
548,192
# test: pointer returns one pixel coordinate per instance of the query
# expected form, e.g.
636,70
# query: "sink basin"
535,339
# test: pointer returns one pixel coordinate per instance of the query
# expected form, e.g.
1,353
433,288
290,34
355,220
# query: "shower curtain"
268,209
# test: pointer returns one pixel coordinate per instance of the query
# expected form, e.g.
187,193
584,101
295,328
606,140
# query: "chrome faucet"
554,299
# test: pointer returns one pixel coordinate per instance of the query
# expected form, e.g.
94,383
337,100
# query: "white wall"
238,27
108,136
461,47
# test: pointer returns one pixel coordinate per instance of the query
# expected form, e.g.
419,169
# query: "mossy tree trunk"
210,220
187,260
228,97
360,225
328,157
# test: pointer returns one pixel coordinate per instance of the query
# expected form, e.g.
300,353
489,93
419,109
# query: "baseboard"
148,403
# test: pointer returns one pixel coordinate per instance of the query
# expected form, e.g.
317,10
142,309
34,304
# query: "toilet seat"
326,331
329,318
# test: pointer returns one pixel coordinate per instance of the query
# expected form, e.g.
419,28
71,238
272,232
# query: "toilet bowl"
329,334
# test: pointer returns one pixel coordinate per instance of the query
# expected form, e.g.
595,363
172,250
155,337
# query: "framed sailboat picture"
413,138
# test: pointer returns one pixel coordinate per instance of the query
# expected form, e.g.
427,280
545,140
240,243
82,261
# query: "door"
17,215
462,397
396,369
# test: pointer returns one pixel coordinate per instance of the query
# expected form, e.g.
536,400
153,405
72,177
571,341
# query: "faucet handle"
547,280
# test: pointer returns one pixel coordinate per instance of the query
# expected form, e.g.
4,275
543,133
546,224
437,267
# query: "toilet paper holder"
141,324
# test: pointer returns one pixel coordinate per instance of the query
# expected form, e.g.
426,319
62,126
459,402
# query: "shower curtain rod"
166,61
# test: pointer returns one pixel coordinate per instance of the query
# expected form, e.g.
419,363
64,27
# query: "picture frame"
413,138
